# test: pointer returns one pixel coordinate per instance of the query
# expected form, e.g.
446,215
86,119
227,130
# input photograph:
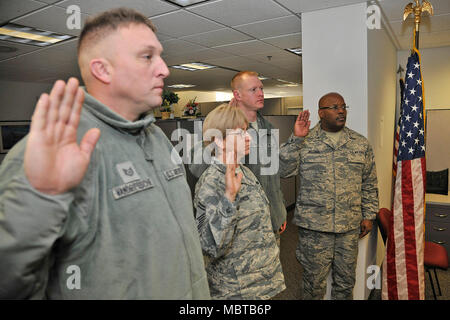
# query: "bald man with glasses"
338,197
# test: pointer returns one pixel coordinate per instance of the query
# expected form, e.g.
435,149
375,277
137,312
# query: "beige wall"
435,67
382,85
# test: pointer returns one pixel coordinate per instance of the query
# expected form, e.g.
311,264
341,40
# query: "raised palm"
54,162
302,124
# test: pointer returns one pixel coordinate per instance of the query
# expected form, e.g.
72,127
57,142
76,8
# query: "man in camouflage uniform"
338,197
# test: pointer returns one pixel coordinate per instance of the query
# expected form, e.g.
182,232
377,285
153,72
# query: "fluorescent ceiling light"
193,66
297,51
262,78
180,86
185,3
27,35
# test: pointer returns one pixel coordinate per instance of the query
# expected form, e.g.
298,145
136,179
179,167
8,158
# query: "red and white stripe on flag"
403,266
403,269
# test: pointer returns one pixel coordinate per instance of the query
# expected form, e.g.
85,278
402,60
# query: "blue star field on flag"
412,132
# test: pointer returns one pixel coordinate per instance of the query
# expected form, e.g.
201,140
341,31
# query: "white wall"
334,43
382,89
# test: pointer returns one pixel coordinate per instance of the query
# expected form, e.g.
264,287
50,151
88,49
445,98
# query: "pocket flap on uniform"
357,158
315,157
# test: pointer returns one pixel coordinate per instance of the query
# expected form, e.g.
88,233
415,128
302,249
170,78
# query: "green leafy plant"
168,98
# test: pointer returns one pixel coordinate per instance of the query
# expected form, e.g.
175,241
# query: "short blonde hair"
238,78
222,118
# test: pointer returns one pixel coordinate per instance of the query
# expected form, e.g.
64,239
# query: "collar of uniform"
262,122
107,115
318,133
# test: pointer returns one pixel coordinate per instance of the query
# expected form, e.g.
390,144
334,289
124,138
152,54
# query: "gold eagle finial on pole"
417,11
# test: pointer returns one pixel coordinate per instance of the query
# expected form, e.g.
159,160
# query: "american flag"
397,131
403,269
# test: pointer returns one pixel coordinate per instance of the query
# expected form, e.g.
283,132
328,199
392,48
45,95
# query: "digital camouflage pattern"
338,182
270,183
237,238
317,252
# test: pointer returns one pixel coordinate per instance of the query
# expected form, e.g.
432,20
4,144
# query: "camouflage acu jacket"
237,238
338,183
270,183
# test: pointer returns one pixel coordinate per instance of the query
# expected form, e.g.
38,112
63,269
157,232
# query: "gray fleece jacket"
126,232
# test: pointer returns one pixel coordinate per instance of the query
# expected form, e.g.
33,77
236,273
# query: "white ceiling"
234,34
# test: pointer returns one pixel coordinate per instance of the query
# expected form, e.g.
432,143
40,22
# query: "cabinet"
437,224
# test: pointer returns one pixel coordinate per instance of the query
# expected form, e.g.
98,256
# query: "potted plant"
168,99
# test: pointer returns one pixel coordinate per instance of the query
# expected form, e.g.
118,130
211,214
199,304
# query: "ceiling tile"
238,12
49,1
58,54
197,56
281,58
272,27
287,41
10,9
427,24
182,23
162,37
217,37
50,19
393,9
147,8
248,48
230,61
20,49
299,6
176,47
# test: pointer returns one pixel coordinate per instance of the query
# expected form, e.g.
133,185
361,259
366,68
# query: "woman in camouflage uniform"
233,217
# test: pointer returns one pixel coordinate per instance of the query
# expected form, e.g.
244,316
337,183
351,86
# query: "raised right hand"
54,162
302,124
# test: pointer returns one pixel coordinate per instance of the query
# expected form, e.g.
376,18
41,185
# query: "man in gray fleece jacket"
84,217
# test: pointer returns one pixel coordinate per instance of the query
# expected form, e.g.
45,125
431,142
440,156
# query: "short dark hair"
98,26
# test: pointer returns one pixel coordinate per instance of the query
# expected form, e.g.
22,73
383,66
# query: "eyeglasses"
336,107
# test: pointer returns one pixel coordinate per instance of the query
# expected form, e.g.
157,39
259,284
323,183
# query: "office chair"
435,255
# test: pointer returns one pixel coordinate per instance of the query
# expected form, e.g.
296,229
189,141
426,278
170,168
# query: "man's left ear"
101,69
237,95
320,112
